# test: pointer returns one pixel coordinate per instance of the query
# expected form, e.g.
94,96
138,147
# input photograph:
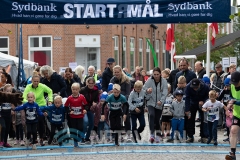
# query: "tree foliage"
190,36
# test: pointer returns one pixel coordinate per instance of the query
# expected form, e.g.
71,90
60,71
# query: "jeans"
191,122
177,124
85,123
212,129
102,125
142,124
90,116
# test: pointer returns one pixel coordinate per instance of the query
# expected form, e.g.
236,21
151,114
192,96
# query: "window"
124,52
4,47
40,50
132,54
147,57
140,58
157,50
116,49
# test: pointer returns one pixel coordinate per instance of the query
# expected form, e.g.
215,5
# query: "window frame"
5,49
40,48
140,49
132,49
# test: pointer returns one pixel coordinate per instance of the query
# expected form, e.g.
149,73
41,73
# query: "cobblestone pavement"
143,150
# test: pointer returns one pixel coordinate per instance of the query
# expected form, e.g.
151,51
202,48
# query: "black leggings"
59,127
76,123
19,132
5,122
32,130
41,126
154,120
115,119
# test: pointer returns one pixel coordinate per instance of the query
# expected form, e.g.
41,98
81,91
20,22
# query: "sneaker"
190,140
27,143
226,140
129,139
34,147
231,156
82,142
117,144
170,140
158,139
87,141
225,133
22,143
215,143
16,142
42,143
151,139
209,141
1,144
76,144
7,145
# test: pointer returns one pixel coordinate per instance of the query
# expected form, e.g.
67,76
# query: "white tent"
8,60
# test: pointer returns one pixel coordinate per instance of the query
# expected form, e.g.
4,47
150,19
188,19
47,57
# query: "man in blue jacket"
196,95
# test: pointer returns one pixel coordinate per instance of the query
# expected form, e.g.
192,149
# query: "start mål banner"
114,11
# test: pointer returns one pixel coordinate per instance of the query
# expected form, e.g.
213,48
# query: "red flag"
170,42
214,27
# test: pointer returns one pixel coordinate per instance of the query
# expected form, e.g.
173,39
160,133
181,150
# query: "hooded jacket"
194,97
159,92
136,100
189,75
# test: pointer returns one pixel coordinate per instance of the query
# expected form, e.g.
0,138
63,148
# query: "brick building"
57,45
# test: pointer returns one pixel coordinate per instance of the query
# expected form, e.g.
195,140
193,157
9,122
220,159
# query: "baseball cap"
117,87
104,96
110,60
178,92
195,83
235,78
218,65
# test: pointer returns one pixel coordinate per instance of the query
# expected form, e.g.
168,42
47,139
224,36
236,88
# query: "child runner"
178,111
75,108
56,114
212,106
118,106
19,122
136,107
166,113
32,112
5,117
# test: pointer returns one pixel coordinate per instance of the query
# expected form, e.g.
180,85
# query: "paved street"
142,150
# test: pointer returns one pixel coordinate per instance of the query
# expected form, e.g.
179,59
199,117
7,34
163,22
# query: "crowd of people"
115,100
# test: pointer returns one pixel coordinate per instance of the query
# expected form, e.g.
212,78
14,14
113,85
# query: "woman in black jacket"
53,81
91,94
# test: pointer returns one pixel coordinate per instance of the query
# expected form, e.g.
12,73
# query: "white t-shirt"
213,113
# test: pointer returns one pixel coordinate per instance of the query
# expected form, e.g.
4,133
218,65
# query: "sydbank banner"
114,11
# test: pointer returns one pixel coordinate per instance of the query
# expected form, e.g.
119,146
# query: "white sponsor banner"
233,60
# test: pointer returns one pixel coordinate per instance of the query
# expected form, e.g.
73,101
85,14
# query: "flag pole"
208,52
172,50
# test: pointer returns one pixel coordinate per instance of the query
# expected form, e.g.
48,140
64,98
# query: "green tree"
190,36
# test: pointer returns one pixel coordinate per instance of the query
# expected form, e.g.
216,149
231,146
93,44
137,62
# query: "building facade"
58,45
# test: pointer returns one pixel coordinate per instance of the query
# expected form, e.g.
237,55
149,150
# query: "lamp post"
166,53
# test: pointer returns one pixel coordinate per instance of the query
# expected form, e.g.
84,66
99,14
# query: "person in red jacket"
75,106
